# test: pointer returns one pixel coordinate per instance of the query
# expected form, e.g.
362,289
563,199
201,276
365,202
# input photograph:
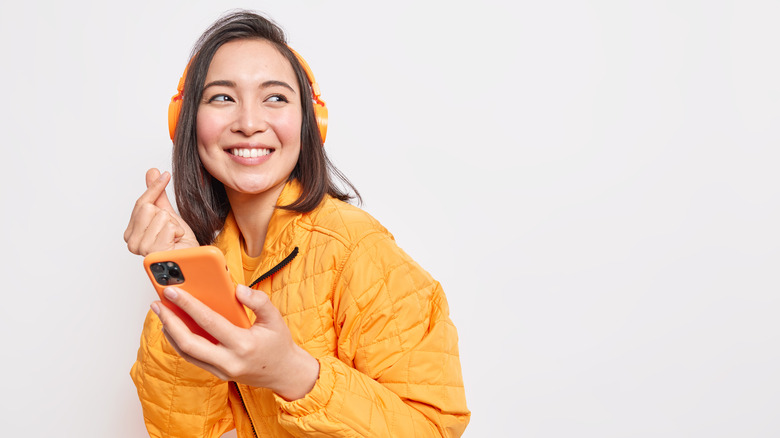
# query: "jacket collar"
279,240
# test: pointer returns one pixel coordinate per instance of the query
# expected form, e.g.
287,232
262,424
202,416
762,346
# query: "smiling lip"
250,152
246,154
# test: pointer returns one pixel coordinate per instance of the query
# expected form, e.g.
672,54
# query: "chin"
257,187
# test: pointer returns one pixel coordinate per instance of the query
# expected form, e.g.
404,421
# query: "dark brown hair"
200,197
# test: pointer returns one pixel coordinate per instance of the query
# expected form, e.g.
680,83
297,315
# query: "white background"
595,184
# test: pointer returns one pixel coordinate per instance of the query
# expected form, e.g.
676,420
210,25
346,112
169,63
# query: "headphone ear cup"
173,114
174,108
321,114
320,109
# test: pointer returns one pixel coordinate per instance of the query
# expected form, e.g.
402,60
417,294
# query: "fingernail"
244,291
155,309
170,293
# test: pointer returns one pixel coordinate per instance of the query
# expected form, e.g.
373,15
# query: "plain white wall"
594,183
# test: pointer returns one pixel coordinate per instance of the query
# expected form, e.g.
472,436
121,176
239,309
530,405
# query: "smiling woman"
349,336
249,126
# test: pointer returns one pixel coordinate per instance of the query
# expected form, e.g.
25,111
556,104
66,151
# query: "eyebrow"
266,84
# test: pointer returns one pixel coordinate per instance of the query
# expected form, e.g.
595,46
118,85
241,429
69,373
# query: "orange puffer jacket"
376,321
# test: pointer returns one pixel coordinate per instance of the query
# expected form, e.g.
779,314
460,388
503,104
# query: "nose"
250,119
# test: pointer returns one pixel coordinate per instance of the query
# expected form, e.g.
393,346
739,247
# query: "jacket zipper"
243,403
276,268
270,272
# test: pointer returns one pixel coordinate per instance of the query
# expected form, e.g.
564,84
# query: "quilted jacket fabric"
376,321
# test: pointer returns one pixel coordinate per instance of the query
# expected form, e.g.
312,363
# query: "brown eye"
277,98
221,98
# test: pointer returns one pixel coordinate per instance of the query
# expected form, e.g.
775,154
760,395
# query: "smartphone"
202,272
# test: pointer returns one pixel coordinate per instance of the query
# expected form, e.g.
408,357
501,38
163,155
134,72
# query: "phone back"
202,272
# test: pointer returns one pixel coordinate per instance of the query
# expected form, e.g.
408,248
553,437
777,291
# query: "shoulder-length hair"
201,198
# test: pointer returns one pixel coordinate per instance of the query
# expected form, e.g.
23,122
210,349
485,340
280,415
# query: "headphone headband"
320,109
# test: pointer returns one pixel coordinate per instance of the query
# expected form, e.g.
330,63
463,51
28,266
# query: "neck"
253,214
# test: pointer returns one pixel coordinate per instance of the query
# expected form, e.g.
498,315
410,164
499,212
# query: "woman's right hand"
154,224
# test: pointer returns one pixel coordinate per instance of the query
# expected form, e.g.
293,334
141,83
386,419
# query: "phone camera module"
167,273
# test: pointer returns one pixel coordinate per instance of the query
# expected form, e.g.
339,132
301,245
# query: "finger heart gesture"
154,224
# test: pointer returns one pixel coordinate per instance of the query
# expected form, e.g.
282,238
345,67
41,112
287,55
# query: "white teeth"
250,153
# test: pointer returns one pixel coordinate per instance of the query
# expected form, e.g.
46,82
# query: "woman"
350,337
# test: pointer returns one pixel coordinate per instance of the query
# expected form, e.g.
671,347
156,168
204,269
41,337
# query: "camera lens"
157,268
174,272
163,280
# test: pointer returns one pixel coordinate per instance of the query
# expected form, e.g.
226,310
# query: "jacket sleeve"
398,371
178,399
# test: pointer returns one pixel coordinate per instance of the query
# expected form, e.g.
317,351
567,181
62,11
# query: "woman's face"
249,119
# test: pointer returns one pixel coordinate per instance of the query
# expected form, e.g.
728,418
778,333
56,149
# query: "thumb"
259,303
153,177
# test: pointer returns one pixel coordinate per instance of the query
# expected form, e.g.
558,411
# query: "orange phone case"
204,275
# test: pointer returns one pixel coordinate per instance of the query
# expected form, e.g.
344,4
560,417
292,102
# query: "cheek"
288,128
207,129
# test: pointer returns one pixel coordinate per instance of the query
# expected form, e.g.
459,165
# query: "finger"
161,234
185,341
142,213
152,229
153,176
142,216
155,184
154,188
128,231
199,363
205,365
258,302
212,322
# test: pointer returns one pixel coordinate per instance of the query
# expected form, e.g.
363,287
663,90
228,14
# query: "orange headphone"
320,109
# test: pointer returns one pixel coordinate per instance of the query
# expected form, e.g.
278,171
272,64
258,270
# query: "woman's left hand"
263,355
